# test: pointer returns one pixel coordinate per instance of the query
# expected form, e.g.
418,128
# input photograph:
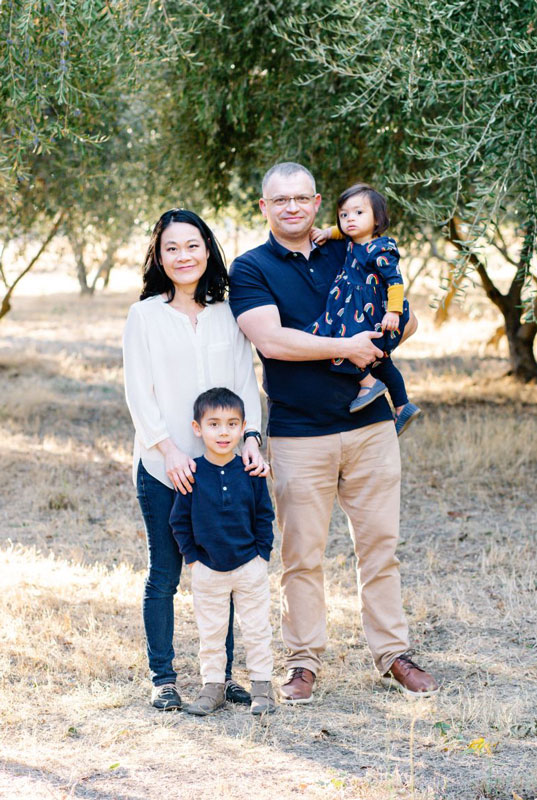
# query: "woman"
180,339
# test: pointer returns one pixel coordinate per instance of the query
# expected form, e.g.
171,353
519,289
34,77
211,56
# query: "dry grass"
73,691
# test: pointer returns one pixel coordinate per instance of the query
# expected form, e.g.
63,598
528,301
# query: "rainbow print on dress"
358,297
336,291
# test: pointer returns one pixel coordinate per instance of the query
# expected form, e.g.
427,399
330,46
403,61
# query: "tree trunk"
520,335
77,246
106,265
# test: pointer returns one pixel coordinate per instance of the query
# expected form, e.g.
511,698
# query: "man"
317,448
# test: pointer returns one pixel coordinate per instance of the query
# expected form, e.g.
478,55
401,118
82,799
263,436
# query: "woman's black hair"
378,204
213,283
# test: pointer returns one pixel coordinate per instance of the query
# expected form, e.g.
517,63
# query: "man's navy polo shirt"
305,398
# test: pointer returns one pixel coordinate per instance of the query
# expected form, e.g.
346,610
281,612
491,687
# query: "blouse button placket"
197,341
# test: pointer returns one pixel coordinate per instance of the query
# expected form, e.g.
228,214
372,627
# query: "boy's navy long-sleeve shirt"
226,520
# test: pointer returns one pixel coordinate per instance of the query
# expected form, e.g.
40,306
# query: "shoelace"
168,691
297,672
232,685
406,657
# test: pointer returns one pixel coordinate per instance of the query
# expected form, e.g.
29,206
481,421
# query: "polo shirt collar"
282,251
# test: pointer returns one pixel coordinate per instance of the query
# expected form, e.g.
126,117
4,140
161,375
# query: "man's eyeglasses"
281,201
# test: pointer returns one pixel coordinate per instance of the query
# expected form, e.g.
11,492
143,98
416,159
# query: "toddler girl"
367,294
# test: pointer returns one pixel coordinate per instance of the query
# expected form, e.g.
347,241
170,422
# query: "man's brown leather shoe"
299,686
410,678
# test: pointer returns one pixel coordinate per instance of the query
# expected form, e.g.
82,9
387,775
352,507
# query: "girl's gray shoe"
406,416
370,394
211,698
263,701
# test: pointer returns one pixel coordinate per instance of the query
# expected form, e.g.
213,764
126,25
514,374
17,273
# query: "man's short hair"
285,169
220,397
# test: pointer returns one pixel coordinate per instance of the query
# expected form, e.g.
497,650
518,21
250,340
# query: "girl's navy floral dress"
358,298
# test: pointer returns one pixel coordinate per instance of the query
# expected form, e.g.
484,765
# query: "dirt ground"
76,722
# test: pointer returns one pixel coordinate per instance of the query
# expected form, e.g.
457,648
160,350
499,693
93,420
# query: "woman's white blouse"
167,364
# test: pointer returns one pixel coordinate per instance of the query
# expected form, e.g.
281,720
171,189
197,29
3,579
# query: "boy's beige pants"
211,591
362,469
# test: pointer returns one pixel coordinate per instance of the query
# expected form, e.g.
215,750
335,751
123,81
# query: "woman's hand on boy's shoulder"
253,460
179,466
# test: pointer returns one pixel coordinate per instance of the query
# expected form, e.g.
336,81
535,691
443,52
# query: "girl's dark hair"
213,283
378,204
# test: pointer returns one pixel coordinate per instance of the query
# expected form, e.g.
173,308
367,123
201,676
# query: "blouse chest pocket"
221,364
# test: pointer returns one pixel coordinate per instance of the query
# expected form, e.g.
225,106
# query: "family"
324,309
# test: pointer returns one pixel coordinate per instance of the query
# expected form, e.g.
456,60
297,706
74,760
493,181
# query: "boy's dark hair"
213,283
378,204
220,397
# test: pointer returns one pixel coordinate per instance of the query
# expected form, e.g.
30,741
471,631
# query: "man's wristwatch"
257,436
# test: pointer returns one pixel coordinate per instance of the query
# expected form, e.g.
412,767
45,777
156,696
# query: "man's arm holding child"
262,325
259,319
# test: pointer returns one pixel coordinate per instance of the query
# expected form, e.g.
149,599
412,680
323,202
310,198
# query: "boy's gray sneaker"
211,698
370,394
166,697
263,701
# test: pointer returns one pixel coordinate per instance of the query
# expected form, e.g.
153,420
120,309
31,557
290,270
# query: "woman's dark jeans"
163,571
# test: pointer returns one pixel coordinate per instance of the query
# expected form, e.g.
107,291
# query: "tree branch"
456,238
6,304
526,253
2,273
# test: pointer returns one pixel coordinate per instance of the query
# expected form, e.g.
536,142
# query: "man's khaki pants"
362,468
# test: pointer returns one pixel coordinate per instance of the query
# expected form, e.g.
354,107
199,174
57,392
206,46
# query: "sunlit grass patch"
74,685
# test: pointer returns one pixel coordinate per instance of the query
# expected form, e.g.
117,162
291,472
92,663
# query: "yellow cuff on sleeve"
396,295
336,233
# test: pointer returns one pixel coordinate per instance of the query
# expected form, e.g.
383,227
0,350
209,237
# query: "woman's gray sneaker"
211,697
263,701
165,697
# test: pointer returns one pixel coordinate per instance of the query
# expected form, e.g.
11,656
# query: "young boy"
224,531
